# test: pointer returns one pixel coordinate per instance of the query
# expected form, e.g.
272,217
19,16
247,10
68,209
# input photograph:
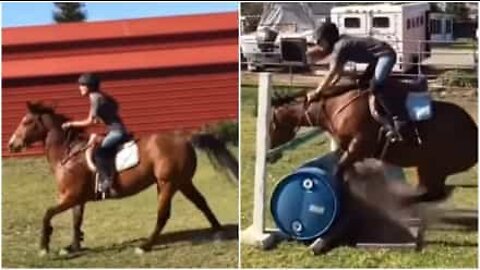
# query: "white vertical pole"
262,142
256,234
333,143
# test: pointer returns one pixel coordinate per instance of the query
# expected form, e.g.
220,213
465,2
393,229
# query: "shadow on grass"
456,219
193,237
463,185
451,244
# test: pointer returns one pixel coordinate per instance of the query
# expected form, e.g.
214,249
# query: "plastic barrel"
306,203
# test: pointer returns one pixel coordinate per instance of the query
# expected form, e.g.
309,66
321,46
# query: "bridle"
305,115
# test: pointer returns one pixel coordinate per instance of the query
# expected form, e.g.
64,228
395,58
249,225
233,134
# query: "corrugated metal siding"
159,88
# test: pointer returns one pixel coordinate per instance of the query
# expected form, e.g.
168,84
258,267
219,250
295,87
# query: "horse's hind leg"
192,193
432,182
166,190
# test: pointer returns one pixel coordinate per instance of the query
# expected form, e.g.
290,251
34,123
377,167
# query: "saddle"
411,101
126,155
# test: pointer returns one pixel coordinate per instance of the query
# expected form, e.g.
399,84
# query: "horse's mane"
336,90
42,109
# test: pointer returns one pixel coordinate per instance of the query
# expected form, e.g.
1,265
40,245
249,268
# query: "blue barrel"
306,203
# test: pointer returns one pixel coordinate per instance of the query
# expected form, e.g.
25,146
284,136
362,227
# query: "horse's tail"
221,158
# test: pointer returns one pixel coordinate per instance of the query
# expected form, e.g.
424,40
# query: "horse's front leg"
354,152
47,229
77,214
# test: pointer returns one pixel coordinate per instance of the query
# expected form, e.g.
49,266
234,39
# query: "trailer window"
352,22
421,20
435,26
418,21
381,22
448,26
408,24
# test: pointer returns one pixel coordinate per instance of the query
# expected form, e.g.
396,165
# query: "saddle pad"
419,106
127,156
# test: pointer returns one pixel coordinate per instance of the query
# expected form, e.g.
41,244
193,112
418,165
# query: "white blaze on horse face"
15,140
12,139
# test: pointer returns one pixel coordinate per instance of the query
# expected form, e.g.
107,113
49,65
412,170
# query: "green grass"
454,247
114,228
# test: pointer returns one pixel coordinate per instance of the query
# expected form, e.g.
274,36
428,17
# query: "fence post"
255,234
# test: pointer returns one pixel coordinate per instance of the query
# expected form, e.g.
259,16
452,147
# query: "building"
167,73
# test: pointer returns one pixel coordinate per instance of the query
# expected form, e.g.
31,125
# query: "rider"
105,109
379,56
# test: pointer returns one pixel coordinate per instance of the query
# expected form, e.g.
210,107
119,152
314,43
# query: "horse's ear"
54,104
30,106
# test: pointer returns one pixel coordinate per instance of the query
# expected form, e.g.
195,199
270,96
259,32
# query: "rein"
70,156
341,109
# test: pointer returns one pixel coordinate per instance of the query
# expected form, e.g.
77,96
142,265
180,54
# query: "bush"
458,78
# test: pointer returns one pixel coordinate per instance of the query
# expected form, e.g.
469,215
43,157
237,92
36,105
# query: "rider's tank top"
365,50
106,110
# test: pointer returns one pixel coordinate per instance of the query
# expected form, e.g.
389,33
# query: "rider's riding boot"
106,176
394,129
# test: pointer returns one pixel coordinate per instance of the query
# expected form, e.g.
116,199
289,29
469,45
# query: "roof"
153,43
133,28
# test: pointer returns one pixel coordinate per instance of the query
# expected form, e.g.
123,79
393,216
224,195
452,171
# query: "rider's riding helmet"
91,80
327,35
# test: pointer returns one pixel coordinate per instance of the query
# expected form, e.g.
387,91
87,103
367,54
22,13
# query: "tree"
69,12
252,13
435,7
459,10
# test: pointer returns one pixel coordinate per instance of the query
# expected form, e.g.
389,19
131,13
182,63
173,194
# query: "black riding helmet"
327,35
91,80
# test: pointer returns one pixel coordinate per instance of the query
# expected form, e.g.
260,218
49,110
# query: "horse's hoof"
139,251
64,252
319,246
43,253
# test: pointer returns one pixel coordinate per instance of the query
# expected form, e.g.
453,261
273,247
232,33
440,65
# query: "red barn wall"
167,73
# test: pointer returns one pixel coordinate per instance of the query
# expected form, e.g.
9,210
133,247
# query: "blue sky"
24,14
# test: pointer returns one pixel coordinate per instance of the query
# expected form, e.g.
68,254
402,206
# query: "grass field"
114,228
451,246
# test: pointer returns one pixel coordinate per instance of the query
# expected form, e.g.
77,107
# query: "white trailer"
403,26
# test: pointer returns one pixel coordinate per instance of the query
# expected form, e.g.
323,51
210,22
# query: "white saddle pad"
127,156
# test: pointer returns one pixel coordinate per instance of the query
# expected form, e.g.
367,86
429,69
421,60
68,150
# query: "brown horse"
167,160
449,139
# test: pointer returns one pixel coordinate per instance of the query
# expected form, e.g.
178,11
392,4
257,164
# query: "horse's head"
286,117
32,128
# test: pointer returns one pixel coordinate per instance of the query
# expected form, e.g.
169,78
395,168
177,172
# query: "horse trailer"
403,26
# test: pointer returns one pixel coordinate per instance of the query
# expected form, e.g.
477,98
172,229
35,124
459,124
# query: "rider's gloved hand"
66,125
312,96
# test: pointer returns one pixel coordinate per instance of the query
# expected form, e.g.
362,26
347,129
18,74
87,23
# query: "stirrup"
101,192
393,135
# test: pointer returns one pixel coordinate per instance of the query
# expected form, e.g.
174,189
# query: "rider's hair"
91,80
327,35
